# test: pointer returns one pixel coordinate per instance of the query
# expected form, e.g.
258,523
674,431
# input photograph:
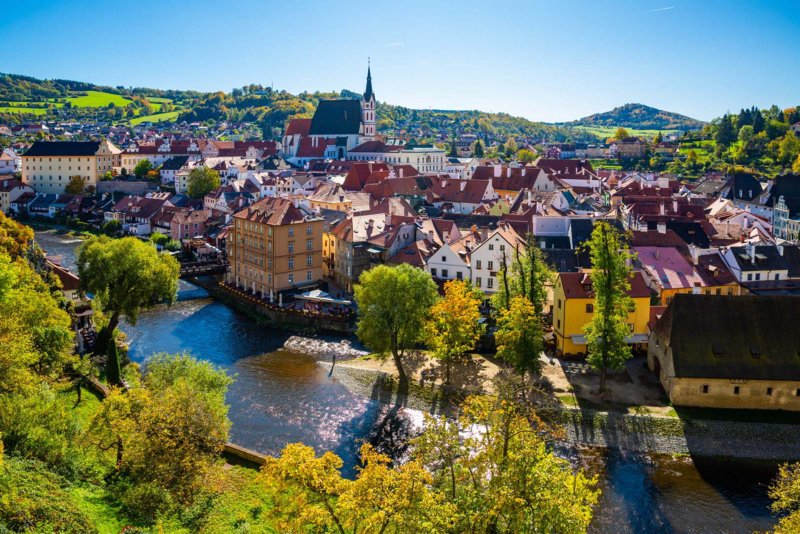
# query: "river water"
280,397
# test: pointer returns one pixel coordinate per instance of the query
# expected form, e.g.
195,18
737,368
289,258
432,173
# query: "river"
280,397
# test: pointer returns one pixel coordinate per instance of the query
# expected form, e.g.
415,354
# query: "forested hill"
24,98
640,117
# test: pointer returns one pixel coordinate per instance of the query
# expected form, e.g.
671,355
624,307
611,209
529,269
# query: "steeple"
368,94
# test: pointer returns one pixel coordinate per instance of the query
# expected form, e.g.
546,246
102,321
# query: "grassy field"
20,109
157,117
605,132
98,99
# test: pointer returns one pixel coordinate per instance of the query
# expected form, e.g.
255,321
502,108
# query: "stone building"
729,351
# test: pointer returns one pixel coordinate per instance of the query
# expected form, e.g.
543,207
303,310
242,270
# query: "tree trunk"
402,377
78,390
119,453
504,267
447,371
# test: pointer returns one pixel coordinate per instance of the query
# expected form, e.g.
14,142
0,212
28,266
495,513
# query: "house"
137,214
9,162
170,167
489,257
186,223
48,166
273,247
10,191
70,283
757,263
330,196
631,148
461,196
573,308
452,260
729,352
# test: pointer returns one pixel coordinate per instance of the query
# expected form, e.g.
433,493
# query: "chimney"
430,236
694,253
675,205
498,169
780,249
463,184
400,170
663,182
662,211
661,227
484,233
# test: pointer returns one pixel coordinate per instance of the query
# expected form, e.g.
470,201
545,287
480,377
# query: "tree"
525,156
746,134
453,328
785,492
608,329
168,433
504,478
452,151
621,134
202,181
477,149
393,303
111,228
788,148
75,185
519,336
510,147
311,493
726,134
658,138
142,168
126,275
528,275
796,165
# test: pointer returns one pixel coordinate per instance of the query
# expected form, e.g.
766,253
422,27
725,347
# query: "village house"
10,191
573,308
729,352
273,247
752,263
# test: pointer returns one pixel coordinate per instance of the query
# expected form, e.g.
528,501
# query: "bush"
158,238
34,500
111,228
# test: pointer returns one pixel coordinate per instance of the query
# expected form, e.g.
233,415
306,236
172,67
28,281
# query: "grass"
157,117
605,132
568,399
98,99
95,503
20,109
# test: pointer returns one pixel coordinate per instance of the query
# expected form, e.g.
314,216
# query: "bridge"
200,268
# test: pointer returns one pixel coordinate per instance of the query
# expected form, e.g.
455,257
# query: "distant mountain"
640,117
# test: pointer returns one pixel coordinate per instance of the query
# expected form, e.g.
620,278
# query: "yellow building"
273,247
328,254
573,308
48,166
11,190
729,352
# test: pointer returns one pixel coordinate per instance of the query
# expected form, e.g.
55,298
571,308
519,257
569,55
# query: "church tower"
368,110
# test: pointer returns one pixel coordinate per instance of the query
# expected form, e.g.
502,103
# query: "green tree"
621,134
504,479
111,228
142,168
75,185
393,304
477,149
658,138
796,165
452,151
527,275
726,133
202,181
746,134
510,147
608,329
788,148
519,336
126,275
453,328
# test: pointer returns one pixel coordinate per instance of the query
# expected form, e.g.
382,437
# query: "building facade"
273,247
48,166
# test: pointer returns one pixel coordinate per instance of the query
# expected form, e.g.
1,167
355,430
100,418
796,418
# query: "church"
336,127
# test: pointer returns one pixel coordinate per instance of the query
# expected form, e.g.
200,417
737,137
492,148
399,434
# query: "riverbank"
642,433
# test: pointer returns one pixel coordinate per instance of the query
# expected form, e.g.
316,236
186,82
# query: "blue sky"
552,61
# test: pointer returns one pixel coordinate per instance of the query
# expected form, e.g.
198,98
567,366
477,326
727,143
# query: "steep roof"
735,337
579,285
274,211
368,94
298,126
336,117
63,148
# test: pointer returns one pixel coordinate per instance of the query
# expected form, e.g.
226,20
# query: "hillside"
640,117
25,98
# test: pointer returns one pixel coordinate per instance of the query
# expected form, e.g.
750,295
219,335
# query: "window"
309,244
433,272
502,247
491,247
309,260
758,276
590,308
735,390
478,282
309,230
490,282
769,392
777,276
478,264
291,232
749,277
459,276
444,259
291,278
444,273
558,324
291,247
491,266
719,291
559,303
730,291
308,275
291,264
705,388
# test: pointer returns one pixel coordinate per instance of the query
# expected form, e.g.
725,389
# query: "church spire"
368,94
